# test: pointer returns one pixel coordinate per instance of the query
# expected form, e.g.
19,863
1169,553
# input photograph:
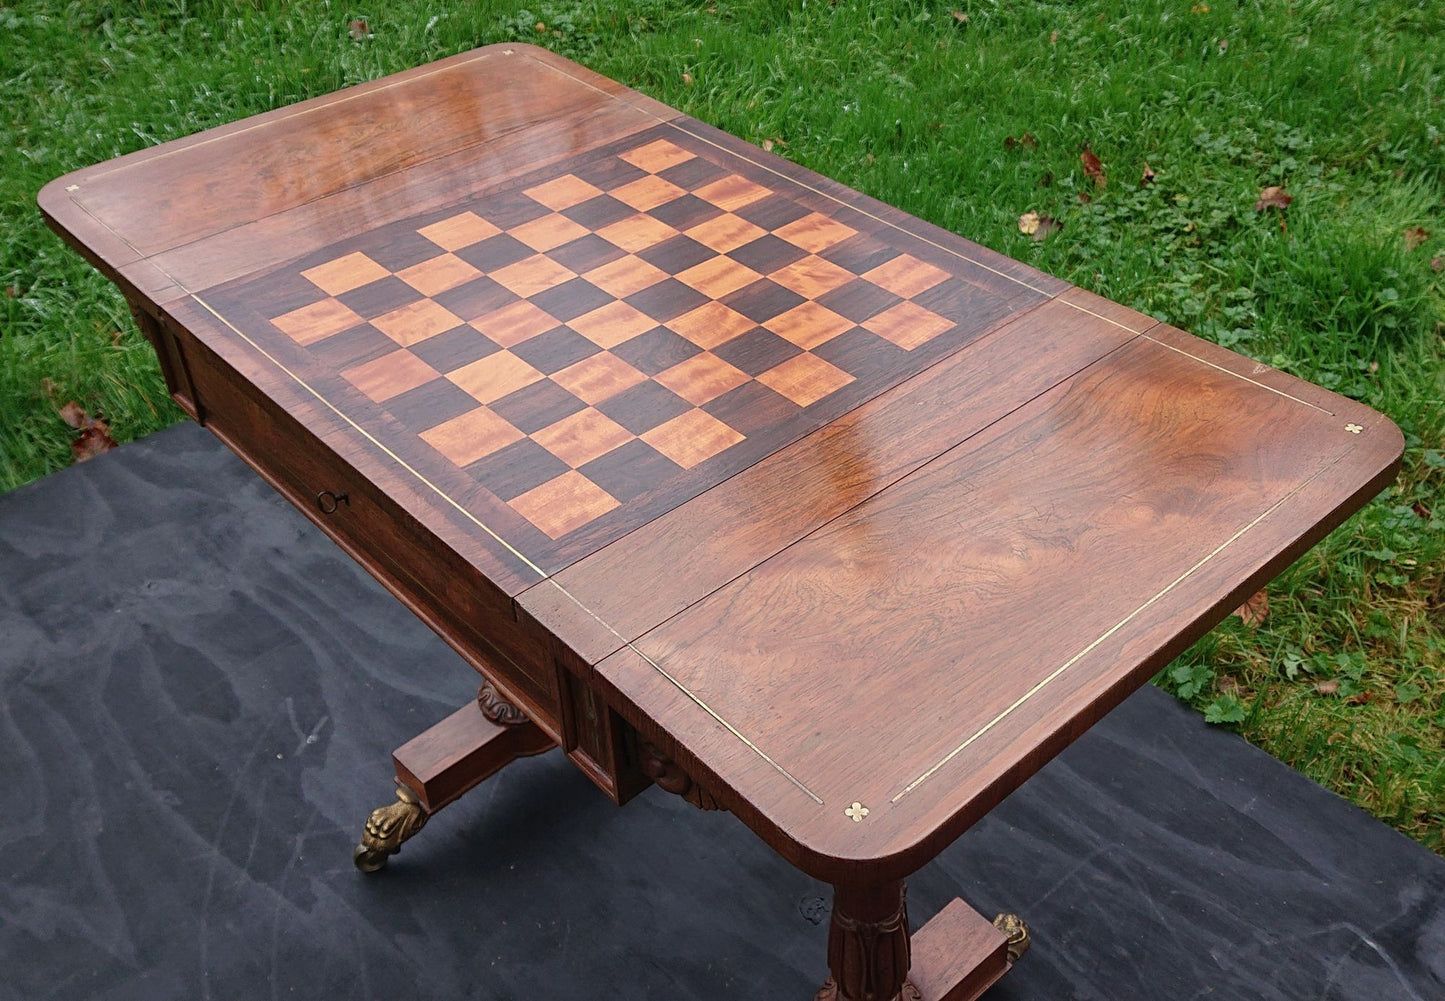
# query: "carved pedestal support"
437,766
868,946
956,956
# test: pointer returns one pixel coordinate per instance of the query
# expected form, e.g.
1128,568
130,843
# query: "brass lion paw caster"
386,828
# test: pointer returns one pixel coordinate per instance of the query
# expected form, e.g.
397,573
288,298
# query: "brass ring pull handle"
328,502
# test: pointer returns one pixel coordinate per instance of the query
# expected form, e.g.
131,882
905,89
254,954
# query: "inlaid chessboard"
611,336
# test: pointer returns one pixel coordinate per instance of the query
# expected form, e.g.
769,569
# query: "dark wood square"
858,300
495,253
656,350
772,212
767,253
507,209
427,406
860,351
762,300
586,253
667,299
539,405
595,213
644,407
752,408
693,173
477,297
676,254
354,346
685,212
571,299
631,469
608,172
858,254
555,350
453,349
757,351
397,248
517,468
379,297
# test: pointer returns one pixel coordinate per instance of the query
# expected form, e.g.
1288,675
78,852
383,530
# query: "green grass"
1341,102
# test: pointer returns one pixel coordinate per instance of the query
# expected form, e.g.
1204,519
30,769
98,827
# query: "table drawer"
448,594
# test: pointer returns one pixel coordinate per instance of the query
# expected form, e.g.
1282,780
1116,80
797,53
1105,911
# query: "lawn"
970,115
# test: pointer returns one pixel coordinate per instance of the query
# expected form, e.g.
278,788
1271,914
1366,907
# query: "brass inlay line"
1112,630
684,689
1252,382
368,436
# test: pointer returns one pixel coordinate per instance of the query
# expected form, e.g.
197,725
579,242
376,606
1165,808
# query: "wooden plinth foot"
436,767
954,957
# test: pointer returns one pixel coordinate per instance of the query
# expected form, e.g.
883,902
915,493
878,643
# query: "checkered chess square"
572,343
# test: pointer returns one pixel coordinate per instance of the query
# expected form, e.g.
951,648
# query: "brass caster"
1017,934
386,828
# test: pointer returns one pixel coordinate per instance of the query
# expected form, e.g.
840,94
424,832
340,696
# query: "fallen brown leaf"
541,27
1328,687
1199,8
11,292
1053,38
94,432
767,145
1416,235
1024,141
360,30
1147,178
1093,167
1085,198
1255,609
1273,197
687,79
960,17
1038,226
1437,264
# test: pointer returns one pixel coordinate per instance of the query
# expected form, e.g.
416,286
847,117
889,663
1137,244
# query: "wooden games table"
723,476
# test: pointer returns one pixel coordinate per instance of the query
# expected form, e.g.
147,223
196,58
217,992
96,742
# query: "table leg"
438,766
954,957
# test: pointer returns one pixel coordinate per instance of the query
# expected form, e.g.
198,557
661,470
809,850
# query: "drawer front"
446,592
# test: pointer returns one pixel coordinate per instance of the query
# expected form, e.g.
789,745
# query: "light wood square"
625,276
390,375
815,232
610,325
598,378
516,323
812,276
907,325
647,193
438,274
637,233
702,378
805,379
564,504
906,276
474,435
692,438
718,276
317,321
548,232
710,324
732,192
656,156
726,232
562,193
808,325
345,273
582,437
493,377
532,275
416,322
459,231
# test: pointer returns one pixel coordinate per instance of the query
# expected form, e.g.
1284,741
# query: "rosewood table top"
862,521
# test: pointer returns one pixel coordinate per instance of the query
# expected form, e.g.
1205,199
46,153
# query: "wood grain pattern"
856,522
